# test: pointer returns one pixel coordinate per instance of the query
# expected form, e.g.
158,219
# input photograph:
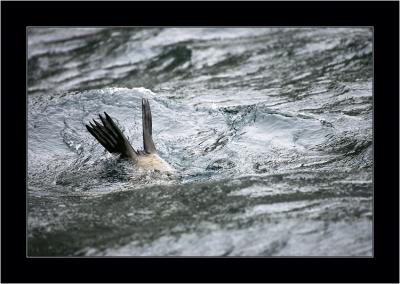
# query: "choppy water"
270,130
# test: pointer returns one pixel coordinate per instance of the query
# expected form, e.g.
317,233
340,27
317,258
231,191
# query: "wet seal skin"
114,141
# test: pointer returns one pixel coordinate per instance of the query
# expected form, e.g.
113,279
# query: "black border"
383,16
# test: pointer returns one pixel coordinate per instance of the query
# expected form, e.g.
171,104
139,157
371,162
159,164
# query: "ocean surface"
269,129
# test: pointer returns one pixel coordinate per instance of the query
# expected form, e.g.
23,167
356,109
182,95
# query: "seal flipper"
148,143
111,137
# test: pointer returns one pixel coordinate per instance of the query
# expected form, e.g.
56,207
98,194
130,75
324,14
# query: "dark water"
270,131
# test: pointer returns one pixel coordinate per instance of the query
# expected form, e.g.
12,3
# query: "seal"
114,141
